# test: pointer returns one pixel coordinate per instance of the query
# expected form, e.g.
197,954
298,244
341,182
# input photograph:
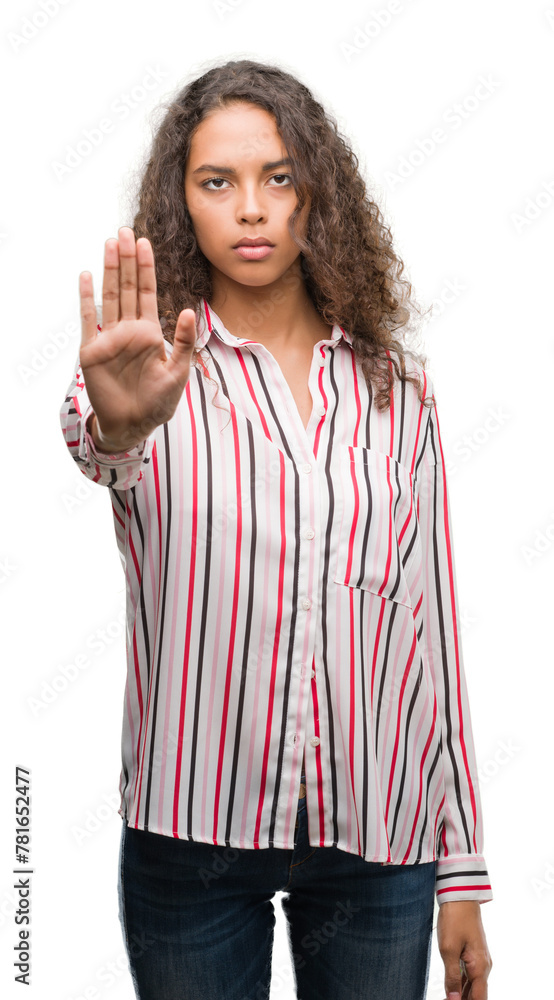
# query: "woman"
296,715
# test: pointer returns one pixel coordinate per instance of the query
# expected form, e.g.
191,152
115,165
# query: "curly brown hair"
348,264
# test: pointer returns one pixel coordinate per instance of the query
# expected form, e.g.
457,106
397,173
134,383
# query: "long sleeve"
121,470
461,871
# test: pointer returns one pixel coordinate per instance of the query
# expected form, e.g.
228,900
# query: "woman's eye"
215,180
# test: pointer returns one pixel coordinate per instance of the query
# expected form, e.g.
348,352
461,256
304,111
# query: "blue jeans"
198,919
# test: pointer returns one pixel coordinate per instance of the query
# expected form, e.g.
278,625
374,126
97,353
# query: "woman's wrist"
101,443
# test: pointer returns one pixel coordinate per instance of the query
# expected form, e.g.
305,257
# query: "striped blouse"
291,592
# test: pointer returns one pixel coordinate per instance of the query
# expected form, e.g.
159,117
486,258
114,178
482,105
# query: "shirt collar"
208,322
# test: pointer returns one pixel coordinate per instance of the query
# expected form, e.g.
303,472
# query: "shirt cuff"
462,876
87,447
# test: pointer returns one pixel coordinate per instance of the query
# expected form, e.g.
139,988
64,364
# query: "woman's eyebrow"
229,170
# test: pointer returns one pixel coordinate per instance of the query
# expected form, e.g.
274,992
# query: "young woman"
296,715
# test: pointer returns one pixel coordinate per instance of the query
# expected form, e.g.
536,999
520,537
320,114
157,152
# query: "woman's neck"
279,316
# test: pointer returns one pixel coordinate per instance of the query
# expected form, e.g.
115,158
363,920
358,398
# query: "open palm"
132,386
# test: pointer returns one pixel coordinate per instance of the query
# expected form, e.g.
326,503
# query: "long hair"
347,261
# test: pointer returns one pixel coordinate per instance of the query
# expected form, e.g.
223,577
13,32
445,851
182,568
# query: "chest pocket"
378,535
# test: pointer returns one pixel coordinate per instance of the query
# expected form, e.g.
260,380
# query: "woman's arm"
461,869
131,383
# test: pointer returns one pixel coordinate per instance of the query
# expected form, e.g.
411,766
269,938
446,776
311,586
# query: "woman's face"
252,194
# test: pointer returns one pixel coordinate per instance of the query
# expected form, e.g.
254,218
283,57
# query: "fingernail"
453,996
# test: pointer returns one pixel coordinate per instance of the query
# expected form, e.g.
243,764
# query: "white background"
475,214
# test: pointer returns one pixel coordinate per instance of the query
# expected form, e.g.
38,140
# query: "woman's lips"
254,253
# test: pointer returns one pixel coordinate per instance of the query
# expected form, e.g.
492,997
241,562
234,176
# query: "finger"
477,989
127,273
184,339
110,284
87,308
147,298
453,979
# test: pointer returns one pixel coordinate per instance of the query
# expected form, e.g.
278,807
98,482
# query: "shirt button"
313,673
307,467
314,741
322,361
321,411
306,604
309,533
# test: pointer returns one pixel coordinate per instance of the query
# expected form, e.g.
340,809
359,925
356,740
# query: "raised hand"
132,386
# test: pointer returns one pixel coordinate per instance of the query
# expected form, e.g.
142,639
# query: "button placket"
309,515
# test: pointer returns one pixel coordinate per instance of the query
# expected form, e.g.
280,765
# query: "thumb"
184,338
